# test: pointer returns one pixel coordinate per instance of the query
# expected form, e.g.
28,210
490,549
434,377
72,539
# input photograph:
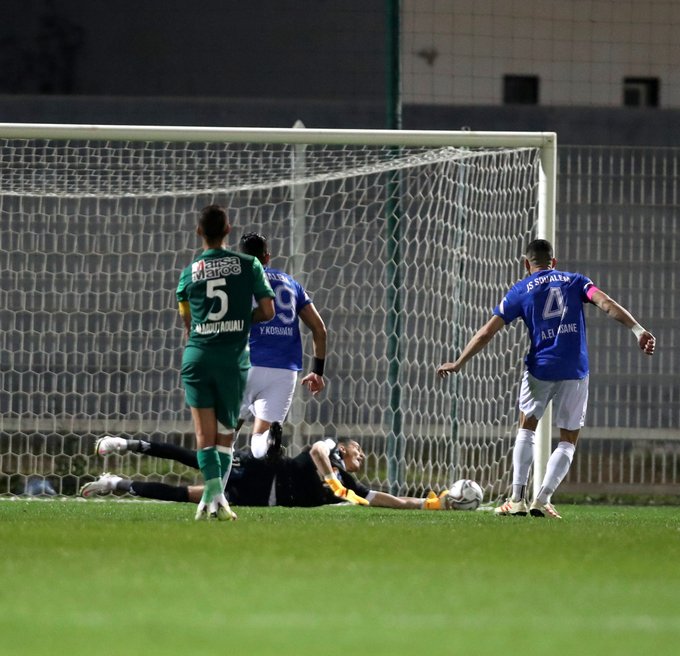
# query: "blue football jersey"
551,303
277,343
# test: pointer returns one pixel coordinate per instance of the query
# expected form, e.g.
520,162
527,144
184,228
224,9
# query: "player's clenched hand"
313,382
647,342
340,491
443,370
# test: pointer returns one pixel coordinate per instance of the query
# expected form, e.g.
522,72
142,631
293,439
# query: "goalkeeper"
322,474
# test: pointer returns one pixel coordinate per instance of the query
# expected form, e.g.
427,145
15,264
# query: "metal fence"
619,223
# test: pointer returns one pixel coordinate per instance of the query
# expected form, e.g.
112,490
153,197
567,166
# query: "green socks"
209,464
215,465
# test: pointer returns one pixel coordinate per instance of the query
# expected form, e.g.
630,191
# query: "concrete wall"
272,62
602,126
457,51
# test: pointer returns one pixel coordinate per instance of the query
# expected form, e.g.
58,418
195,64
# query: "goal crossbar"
460,138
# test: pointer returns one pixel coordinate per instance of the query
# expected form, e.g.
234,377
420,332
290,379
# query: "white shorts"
269,393
569,397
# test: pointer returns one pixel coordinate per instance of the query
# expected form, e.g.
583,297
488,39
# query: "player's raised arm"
646,341
479,340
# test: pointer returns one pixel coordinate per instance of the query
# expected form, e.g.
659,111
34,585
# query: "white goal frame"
545,142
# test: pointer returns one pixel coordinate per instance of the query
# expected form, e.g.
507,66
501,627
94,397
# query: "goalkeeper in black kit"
319,475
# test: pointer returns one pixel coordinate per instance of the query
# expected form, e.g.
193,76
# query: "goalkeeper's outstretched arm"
353,456
385,500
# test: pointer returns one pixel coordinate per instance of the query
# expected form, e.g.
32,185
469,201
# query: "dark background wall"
237,63
213,48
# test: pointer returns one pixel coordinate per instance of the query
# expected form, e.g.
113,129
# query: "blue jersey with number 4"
277,343
551,303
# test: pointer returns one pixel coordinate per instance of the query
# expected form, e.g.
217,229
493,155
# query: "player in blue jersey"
276,352
550,302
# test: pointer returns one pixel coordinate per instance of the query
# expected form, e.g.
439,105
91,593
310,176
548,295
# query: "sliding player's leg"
111,484
250,485
113,445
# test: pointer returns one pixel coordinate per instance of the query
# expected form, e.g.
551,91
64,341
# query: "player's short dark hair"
539,251
255,244
213,221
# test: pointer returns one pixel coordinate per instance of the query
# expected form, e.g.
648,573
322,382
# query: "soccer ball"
464,495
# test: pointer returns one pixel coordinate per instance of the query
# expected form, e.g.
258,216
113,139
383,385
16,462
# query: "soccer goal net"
404,240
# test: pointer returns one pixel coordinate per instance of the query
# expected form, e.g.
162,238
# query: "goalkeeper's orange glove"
339,490
435,501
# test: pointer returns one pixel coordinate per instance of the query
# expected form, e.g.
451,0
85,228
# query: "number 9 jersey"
551,304
277,343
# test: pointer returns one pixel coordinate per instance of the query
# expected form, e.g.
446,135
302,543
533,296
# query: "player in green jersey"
215,296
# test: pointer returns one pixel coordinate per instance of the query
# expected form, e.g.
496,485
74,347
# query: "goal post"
547,194
404,239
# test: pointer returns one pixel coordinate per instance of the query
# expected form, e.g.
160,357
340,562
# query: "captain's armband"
590,292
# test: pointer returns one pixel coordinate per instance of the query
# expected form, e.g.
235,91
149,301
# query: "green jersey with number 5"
219,286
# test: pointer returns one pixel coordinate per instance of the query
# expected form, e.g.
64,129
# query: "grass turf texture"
143,578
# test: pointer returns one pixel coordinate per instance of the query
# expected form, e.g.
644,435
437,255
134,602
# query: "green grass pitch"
119,578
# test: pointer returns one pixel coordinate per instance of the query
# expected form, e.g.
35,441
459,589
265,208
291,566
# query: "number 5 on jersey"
214,291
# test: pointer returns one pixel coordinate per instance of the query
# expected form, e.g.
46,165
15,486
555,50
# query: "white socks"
522,458
226,455
259,443
558,466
